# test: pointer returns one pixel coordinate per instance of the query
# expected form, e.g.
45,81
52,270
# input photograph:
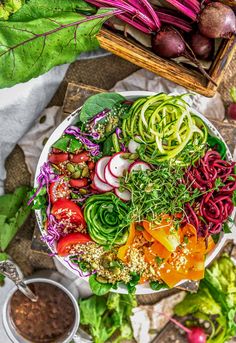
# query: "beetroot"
217,21
203,47
232,111
168,43
197,335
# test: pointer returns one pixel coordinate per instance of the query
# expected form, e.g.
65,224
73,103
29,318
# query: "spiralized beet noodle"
216,179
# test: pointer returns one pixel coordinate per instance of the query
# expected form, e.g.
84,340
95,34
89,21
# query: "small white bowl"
70,120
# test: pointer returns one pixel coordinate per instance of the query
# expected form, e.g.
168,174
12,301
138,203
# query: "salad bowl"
71,120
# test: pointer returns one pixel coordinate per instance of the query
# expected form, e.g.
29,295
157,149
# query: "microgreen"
158,191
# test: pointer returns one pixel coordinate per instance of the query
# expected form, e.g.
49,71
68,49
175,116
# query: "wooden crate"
144,58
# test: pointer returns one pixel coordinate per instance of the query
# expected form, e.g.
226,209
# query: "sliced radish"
101,186
133,146
100,167
117,165
125,195
110,179
138,165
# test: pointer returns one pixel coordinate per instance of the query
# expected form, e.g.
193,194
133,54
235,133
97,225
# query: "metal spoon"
9,269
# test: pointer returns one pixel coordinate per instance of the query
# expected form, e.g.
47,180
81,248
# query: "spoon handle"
9,269
23,288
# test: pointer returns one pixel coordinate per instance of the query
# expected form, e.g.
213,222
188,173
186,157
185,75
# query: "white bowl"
70,120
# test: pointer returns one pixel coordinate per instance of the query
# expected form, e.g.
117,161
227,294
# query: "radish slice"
101,186
125,196
133,146
110,179
117,165
100,167
139,166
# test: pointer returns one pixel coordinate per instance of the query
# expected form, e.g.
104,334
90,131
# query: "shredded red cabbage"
93,148
54,230
45,177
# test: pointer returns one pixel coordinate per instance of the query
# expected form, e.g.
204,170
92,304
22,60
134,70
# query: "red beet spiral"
215,205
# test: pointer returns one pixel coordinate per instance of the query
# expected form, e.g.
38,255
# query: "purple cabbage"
45,177
93,148
54,232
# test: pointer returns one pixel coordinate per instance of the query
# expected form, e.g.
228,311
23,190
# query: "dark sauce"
48,320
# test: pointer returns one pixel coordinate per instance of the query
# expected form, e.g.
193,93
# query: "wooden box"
144,58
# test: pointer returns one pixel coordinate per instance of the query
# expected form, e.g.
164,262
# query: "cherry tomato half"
78,183
65,244
81,157
59,190
58,158
67,210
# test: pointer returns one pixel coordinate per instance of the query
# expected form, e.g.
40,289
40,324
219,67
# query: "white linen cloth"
20,106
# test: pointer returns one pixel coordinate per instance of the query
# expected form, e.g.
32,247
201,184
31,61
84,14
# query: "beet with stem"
169,43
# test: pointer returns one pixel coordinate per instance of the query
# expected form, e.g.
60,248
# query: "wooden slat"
141,56
75,96
223,58
144,58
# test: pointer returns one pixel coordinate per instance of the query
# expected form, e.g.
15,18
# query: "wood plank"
223,58
141,56
144,58
75,96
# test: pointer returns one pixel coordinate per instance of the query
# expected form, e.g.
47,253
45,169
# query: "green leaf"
13,213
131,285
3,257
201,301
35,9
99,288
233,94
10,203
156,285
8,7
226,228
8,231
108,147
29,49
234,198
92,309
67,143
217,143
97,103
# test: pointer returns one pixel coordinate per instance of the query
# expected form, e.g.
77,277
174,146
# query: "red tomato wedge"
67,210
79,158
79,183
59,190
58,158
65,244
